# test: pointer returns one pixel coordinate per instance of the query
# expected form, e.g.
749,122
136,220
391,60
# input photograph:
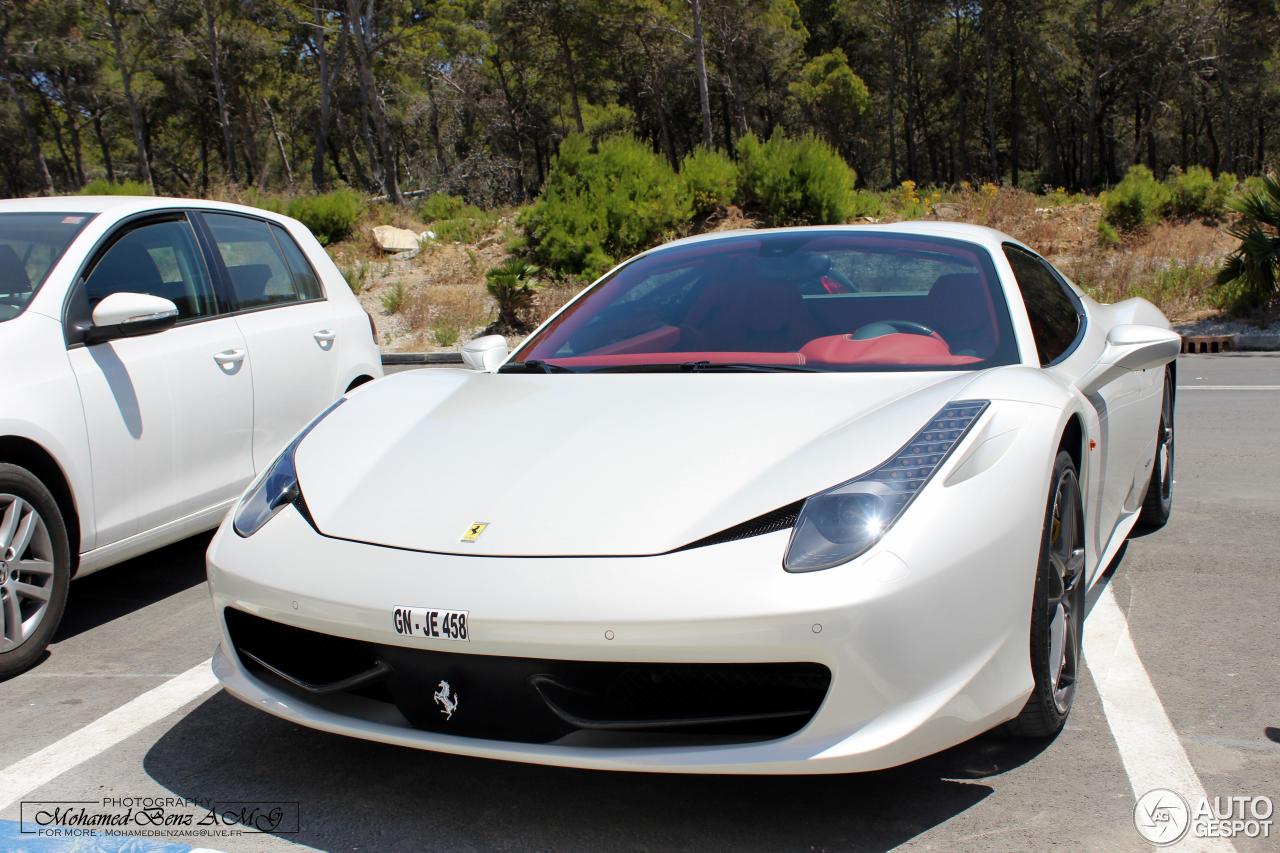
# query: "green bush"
1195,193
453,220
331,216
101,186
600,205
1139,200
1250,276
1107,234
512,284
440,206
393,299
712,179
795,181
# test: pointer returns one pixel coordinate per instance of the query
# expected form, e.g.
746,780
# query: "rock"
392,239
426,235
871,219
946,210
405,256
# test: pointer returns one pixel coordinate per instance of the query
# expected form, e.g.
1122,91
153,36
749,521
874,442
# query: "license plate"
432,623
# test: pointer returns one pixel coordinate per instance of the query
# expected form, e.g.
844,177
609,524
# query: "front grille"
532,700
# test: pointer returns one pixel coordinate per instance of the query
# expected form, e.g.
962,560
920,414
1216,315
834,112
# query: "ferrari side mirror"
485,353
1131,348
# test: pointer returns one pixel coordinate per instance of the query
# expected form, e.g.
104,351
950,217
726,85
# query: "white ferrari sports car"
808,500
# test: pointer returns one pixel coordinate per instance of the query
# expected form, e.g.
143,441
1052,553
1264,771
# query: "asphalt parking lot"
1199,599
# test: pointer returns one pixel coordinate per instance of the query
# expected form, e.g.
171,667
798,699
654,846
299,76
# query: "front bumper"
925,637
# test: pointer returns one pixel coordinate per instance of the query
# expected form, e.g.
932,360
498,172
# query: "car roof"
980,234
121,205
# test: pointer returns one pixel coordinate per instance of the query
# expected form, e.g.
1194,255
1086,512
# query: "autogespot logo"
1162,816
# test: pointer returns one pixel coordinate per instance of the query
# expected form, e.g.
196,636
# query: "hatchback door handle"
229,358
325,338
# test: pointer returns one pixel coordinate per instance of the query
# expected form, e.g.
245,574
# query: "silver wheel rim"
1066,572
26,571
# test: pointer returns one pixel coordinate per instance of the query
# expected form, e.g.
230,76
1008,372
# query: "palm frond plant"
512,285
1250,274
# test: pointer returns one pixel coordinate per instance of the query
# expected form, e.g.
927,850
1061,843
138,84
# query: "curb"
400,358
1255,342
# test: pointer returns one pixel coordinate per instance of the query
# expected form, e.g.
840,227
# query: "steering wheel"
889,327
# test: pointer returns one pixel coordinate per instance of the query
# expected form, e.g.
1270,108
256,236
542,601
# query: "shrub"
393,299
1195,192
1136,202
101,186
446,335
440,206
712,179
1107,234
355,276
866,203
795,181
512,285
1250,276
600,205
331,216
453,220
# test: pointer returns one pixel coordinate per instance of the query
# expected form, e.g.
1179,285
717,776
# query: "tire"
35,569
1157,503
1057,608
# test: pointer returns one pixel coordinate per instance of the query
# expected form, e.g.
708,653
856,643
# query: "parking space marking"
103,733
1149,747
1229,387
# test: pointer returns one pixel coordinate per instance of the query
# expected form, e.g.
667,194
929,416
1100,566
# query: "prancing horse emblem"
447,700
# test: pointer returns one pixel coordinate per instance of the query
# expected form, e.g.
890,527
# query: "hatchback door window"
160,259
259,275
304,277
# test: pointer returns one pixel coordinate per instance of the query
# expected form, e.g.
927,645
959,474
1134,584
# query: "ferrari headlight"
276,487
839,524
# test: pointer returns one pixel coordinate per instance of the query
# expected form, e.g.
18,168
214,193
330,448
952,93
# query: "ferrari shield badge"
474,531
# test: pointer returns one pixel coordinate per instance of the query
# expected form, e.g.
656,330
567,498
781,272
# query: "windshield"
30,244
787,300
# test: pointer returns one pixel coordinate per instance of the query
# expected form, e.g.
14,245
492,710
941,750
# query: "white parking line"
1229,387
103,733
1149,747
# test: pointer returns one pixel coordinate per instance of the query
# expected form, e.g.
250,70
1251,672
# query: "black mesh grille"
771,522
528,699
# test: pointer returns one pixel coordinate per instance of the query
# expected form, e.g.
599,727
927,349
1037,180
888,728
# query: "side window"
259,275
1053,315
304,277
161,259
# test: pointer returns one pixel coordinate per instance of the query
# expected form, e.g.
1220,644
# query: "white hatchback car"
154,354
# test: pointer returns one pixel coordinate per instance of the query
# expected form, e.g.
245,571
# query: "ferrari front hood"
596,464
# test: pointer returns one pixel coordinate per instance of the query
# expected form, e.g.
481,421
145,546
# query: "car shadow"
352,793
107,595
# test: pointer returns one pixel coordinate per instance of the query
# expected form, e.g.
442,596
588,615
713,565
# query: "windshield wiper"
532,365
744,366
704,367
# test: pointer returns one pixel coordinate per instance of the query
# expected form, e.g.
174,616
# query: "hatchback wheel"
35,563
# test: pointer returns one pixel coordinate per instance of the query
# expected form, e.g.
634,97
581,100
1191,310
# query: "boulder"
392,239
946,210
